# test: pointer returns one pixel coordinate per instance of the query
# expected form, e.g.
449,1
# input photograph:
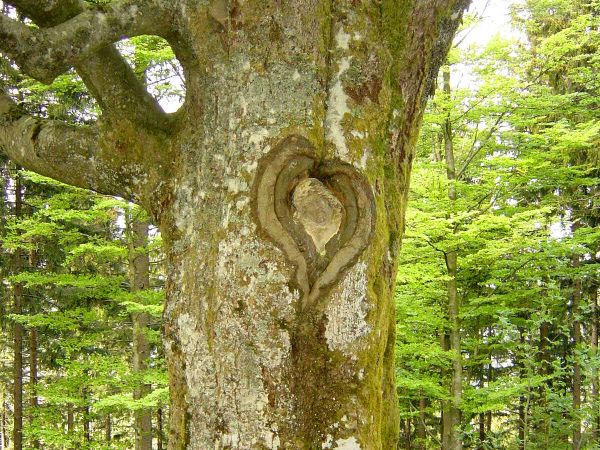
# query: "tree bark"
544,356
159,429
108,428
87,422
594,346
408,433
4,438
70,424
139,264
272,341
522,425
33,359
18,332
452,414
481,431
421,425
576,335
33,379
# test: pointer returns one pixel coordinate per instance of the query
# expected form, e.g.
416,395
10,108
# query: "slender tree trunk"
408,434
576,334
544,352
33,379
545,369
522,400
18,333
87,429
453,421
445,423
139,263
159,429
33,359
70,424
595,381
4,437
108,428
481,421
421,423
488,414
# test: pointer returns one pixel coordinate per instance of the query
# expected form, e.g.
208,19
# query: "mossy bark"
250,367
244,375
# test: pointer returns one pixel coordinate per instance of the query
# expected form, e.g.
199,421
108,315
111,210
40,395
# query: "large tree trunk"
279,188
257,356
254,358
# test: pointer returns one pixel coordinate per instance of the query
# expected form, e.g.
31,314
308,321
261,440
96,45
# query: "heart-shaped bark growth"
319,213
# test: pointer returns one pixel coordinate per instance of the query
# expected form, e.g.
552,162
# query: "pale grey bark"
118,160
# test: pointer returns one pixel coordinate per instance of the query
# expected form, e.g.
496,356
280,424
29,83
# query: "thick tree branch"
45,53
105,72
71,154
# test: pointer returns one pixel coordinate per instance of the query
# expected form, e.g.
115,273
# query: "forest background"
497,292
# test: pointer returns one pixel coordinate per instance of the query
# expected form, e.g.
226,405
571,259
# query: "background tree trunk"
18,332
139,263
576,335
421,426
87,423
70,423
452,421
159,429
33,358
4,439
108,428
594,347
33,379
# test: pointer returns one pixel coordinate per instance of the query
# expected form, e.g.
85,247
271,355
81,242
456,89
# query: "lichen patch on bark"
347,312
347,444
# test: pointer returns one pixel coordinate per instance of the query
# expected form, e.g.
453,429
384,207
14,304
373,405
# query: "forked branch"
45,53
107,75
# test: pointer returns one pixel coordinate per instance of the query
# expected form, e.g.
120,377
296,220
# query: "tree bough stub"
321,214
